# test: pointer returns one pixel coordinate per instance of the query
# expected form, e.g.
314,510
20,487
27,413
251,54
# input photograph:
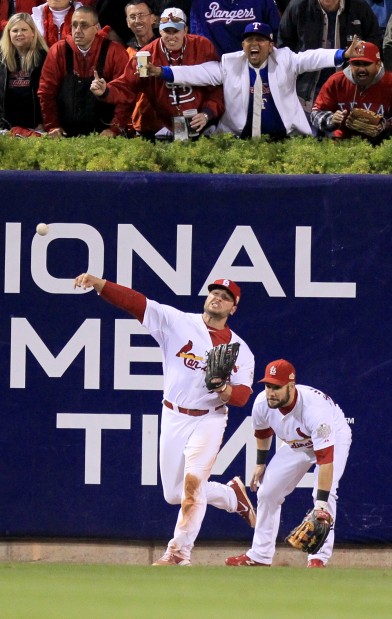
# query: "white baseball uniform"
193,419
189,445
314,423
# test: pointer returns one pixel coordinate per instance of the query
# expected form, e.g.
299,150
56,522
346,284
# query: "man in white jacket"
259,83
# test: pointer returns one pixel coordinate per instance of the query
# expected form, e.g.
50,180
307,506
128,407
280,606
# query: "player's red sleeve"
240,394
264,433
125,298
324,456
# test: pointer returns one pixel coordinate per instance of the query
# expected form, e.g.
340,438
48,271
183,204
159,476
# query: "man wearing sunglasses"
175,47
364,84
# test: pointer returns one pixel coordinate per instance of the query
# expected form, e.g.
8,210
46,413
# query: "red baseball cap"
279,372
228,285
367,52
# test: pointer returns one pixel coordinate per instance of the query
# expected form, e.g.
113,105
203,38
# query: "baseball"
42,229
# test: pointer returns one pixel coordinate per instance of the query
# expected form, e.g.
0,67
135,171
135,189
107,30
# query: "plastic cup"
142,59
188,115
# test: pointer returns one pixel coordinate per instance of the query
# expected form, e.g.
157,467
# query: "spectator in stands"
53,19
382,10
223,21
258,83
22,54
174,47
363,84
10,7
308,24
68,107
387,46
140,19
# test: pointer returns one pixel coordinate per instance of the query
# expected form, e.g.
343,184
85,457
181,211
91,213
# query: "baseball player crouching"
314,431
194,414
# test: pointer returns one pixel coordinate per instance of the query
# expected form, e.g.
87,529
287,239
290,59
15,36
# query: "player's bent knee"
173,498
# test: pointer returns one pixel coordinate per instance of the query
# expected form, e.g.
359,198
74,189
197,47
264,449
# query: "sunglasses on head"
175,20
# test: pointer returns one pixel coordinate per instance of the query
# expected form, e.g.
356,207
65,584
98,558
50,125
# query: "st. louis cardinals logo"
180,94
190,360
300,433
297,444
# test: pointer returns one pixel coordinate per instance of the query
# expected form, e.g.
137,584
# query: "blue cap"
258,28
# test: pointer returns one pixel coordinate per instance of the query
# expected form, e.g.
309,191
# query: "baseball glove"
311,534
220,362
366,122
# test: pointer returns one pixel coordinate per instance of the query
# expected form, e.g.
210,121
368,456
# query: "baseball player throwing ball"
314,431
196,395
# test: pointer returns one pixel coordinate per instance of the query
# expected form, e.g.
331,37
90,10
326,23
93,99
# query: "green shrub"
222,154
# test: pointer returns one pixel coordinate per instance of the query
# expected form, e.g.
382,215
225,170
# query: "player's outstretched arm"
85,280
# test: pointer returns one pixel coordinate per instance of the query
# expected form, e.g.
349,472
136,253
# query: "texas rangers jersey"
184,340
223,21
314,423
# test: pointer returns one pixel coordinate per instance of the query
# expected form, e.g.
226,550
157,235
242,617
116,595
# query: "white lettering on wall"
260,271
12,257
125,354
24,336
178,279
39,249
304,287
93,424
130,240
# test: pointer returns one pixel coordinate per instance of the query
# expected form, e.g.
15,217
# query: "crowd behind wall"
376,24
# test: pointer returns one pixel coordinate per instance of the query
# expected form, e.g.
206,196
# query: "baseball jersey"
223,21
314,423
341,93
169,100
184,340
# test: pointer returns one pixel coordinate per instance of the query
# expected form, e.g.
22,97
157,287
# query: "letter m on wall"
24,337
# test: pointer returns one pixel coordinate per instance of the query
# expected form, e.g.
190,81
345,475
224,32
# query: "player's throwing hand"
85,280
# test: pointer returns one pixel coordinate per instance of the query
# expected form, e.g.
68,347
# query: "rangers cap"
367,52
279,372
257,27
172,18
228,285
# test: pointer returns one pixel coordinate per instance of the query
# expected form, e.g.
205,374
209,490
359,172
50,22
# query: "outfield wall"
81,381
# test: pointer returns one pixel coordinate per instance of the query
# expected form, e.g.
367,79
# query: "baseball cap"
228,285
279,372
258,28
367,52
172,18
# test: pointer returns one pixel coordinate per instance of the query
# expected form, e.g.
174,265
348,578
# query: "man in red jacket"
174,47
68,107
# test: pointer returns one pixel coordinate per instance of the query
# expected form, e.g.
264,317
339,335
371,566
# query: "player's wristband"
261,456
322,495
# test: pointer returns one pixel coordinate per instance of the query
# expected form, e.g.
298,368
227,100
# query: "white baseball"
42,229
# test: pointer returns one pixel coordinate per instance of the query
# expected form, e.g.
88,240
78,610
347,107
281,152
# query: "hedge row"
222,154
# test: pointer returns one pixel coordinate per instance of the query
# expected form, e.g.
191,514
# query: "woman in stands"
22,54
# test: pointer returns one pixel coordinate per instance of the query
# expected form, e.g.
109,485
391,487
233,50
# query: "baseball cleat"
244,506
244,561
315,563
170,558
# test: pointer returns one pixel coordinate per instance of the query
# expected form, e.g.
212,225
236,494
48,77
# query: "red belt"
193,412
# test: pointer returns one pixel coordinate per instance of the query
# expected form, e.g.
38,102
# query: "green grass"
71,591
